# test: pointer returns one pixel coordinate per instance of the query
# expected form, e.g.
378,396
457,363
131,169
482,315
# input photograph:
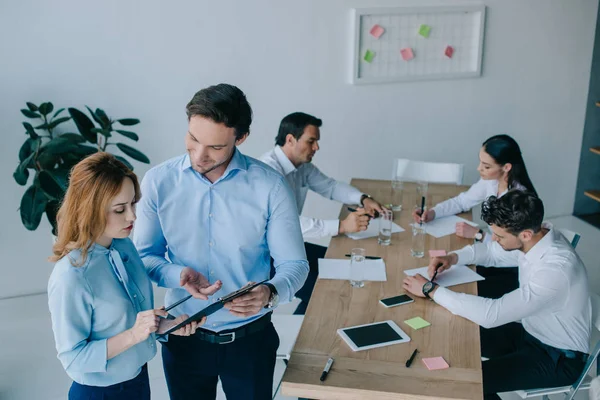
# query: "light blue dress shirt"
225,230
94,302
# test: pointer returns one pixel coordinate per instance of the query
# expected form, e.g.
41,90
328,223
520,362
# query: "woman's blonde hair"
81,219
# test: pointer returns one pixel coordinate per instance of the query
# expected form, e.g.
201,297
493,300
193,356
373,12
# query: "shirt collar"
538,251
284,161
238,162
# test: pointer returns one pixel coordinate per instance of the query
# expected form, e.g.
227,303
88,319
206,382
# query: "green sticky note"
424,30
417,323
369,55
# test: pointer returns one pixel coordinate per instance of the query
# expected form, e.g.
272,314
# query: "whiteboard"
426,34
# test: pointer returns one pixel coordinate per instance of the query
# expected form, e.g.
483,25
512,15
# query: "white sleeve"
314,228
464,201
332,189
547,290
490,254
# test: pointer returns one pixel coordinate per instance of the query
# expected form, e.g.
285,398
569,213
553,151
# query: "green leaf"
128,121
96,117
31,106
51,212
42,126
73,137
52,184
85,150
46,108
30,114
21,174
84,125
30,130
33,205
124,161
103,117
58,121
29,147
97,130
58,112
59,145
48,160
133,153
129,134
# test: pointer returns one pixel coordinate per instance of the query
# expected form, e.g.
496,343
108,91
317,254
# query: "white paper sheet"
373,230
456,275
444,226
373,270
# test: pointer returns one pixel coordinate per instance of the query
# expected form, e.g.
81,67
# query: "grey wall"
145,59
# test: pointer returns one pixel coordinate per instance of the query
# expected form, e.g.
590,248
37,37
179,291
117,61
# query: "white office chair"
432,172
584,381
572,237
288,328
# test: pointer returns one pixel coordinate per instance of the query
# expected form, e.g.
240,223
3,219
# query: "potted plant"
49,153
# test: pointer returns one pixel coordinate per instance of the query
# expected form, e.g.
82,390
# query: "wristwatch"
479,236
274,298
428,288
363,198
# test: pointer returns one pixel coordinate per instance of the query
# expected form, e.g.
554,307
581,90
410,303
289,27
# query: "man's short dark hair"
295,123
224,104
516,211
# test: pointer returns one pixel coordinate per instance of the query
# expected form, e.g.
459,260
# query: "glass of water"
397,188
357,265
385,227
417,248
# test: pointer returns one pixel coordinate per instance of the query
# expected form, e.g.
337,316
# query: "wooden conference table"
381,373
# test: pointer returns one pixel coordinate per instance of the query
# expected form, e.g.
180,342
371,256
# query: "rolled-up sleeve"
71,308
284,239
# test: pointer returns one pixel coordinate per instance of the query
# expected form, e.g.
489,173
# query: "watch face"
427,287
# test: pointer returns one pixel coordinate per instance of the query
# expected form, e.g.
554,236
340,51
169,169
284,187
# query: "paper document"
372,270
456,275
373,230
444,226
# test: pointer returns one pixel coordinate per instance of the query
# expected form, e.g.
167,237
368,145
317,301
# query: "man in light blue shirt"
219,216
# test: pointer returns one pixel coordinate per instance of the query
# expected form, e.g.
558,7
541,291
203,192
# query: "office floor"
29,368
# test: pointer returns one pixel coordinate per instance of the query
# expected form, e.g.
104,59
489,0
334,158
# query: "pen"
436,271
411,359
354,210
326,369
422,210
172,306
367,257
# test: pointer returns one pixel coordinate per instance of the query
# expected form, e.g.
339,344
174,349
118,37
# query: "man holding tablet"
538,335
220,216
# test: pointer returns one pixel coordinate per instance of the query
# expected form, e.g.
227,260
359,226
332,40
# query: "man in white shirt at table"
536,336
295,146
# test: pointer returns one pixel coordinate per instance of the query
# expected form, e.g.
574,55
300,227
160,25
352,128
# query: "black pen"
411,359
354,210
172,306
422,210
436,271
367,257
326,369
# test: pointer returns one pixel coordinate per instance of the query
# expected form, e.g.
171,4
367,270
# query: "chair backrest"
593,358
409,170
572,237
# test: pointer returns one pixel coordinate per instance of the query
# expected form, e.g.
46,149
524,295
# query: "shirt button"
214,325
135,296
210,244
212,272
210,215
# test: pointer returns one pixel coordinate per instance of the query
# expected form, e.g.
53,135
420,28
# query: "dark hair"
515,211
504,149
295,123
225,104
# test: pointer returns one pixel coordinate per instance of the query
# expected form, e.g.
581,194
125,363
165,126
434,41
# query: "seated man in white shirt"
295,146
549,347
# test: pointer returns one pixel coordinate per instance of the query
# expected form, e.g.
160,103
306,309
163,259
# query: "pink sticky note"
407,54
377,31
434,363
449,51
437,253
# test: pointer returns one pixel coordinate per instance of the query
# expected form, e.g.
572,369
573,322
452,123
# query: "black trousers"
246,366
498,281
137,388
313,253
518,361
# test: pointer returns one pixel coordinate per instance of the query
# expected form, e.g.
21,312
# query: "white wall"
146,59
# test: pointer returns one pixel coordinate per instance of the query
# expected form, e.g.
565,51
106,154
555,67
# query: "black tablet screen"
372,334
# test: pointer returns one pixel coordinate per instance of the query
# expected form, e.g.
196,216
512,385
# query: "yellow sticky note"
369,55
417,323
424,30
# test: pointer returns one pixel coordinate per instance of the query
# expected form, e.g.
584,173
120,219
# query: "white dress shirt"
477,194
306,177
552,301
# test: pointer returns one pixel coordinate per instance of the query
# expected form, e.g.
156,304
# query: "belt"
230,336
574,355
568,354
